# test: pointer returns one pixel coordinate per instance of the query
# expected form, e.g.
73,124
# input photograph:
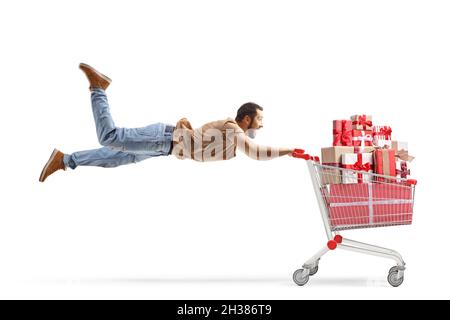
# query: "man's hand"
286,151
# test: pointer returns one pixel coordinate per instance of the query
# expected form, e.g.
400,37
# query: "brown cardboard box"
332,157
401,150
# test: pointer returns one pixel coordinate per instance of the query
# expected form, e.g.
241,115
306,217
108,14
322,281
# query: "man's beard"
251,133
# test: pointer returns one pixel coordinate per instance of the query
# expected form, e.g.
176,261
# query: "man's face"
254,125
258,120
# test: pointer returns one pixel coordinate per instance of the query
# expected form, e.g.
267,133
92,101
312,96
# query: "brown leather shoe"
96,79
53,164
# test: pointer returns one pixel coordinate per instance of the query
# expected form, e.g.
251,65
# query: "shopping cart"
365,200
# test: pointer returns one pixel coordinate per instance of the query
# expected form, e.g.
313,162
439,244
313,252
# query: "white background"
171,229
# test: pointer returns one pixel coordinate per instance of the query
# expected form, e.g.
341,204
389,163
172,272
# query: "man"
214,141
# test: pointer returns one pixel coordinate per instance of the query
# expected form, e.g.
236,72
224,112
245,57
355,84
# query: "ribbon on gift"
404,171
358,166
362,120
403,155
342,138
363,138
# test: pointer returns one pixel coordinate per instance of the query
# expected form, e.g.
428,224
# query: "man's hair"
248,109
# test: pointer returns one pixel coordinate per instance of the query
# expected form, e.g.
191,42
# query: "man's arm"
258,152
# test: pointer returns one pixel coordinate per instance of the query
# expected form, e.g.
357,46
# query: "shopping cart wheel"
299,279
314,270
393,269
392,279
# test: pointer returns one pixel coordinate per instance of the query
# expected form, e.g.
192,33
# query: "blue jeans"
121,145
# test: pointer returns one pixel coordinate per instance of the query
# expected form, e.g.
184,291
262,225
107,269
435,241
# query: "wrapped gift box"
332,157
382,136
401,151
362,122
384,160
382,132
369,204
402,169
399,145
342,133
362,138
357,161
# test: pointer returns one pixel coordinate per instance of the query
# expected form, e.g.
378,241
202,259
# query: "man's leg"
121,145
152,138
103,157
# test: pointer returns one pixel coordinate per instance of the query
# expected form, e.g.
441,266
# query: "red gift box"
385,162
362,138
342,133
369,204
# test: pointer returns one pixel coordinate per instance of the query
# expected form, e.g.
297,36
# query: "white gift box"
382,136
399,145
357,161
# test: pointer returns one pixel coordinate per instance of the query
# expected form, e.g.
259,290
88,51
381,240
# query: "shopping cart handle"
302,156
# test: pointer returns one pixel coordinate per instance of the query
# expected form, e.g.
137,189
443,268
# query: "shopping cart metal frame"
335,240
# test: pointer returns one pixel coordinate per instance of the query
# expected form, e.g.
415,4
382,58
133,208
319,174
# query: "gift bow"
362,120
345,137
404,171
359,166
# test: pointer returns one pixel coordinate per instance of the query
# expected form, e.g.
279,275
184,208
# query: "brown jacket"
212,142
